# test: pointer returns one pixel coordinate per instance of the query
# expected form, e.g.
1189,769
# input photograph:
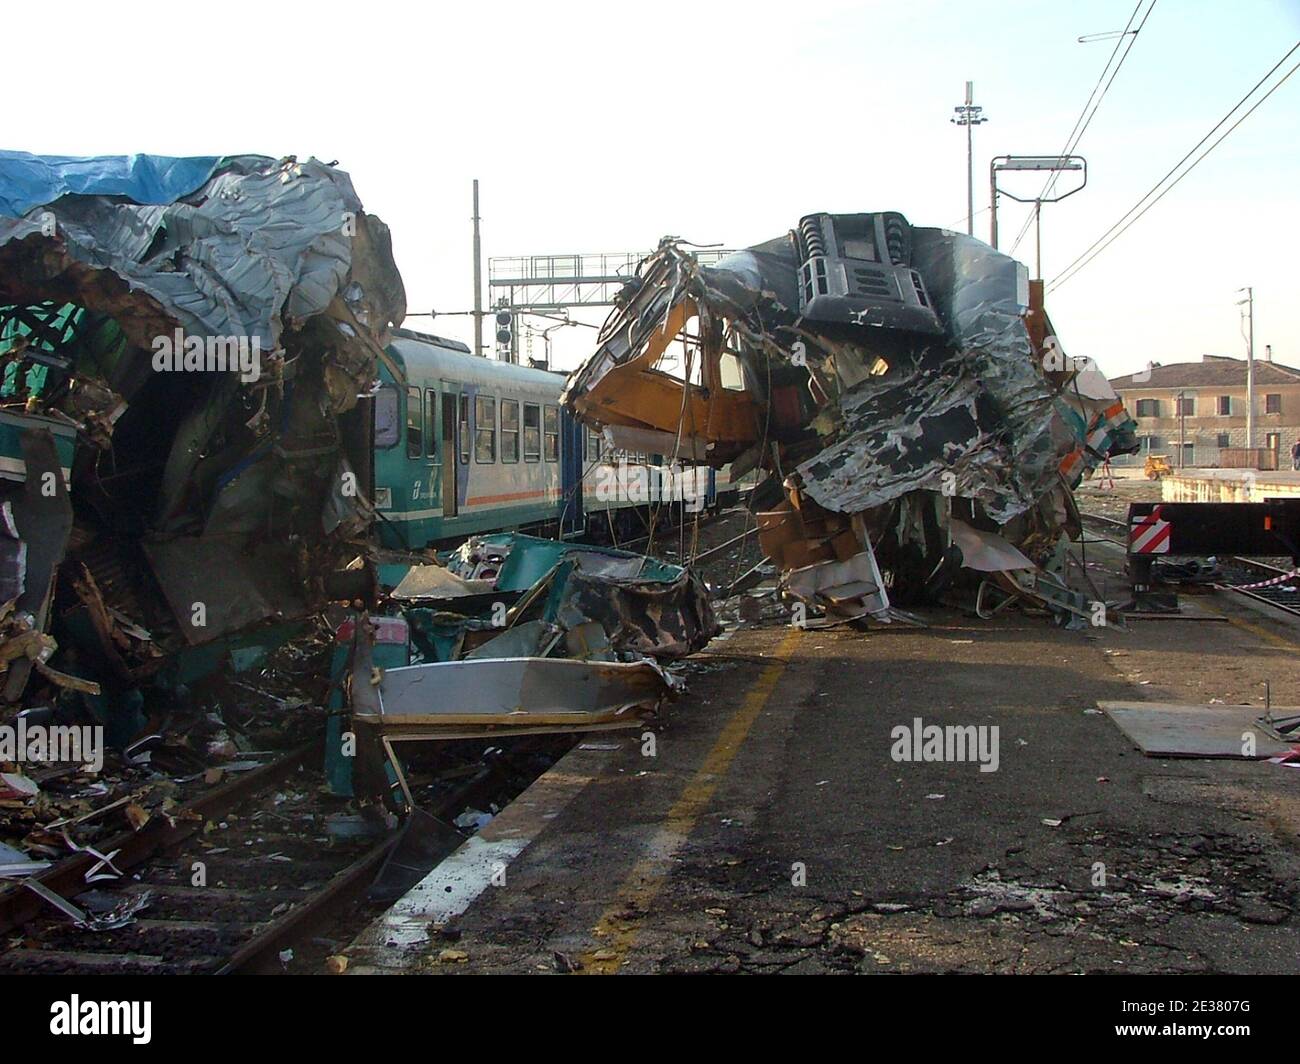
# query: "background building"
1213,398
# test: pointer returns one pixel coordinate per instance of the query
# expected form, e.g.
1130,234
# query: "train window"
485,429
388,424
462,430
430,422
593,445
509,430
730,372
414,444
532,432
551,432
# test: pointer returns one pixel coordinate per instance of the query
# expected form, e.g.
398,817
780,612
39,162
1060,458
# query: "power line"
953,225
1120,227
1127,38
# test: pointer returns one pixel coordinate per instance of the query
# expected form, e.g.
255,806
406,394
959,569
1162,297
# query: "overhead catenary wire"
1126,39
953,225
1147,201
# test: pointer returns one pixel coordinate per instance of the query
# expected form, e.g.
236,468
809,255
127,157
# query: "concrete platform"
1229,485
775,828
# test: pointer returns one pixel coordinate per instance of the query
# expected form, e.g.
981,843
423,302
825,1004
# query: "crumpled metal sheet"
656,618
969,417
241,248
260,248
896,426
520,692
985,552
436,582
644,607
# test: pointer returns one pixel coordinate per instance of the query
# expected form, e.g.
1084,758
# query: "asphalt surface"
774,830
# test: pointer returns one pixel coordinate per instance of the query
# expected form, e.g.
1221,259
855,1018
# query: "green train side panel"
415,517
12,464
401,535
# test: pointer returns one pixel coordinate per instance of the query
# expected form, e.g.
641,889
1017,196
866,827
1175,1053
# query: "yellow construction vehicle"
1157,466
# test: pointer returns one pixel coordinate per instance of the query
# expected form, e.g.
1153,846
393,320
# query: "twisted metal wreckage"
898,385
516,634
185,343
901,387
189,347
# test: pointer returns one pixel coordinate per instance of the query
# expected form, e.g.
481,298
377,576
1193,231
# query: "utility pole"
1249,304
1182,429
1038,239
969,115
478,280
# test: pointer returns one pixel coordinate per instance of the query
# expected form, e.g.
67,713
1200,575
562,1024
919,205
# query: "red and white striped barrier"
1284,578
1149,534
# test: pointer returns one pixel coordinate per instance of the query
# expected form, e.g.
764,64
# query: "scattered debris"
120,915
186,351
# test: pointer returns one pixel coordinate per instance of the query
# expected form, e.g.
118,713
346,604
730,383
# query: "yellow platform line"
1253,629
616,931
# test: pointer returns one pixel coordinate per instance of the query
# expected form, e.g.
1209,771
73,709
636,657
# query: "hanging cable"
1138,209
1126,39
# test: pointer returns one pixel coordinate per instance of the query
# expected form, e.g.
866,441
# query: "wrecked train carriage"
513,635
193,337
900,385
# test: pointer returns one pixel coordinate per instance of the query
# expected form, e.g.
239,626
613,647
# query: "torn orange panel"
636,394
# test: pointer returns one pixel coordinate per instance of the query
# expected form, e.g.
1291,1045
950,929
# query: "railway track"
237,881
242,865
1277,587
1106,522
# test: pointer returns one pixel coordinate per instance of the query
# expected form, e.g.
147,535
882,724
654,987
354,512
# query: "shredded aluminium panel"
195,334
258,249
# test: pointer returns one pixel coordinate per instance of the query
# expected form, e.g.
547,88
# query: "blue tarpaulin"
28,181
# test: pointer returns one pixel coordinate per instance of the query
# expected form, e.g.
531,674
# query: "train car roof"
452,360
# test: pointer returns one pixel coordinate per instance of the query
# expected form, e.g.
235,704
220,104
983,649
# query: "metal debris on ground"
1161,729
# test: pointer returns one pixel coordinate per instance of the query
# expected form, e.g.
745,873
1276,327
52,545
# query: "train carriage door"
451,406
572,454
419,445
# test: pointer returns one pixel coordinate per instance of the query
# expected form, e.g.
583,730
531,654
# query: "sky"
602,127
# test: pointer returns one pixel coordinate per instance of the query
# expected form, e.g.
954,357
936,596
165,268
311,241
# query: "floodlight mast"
969,115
